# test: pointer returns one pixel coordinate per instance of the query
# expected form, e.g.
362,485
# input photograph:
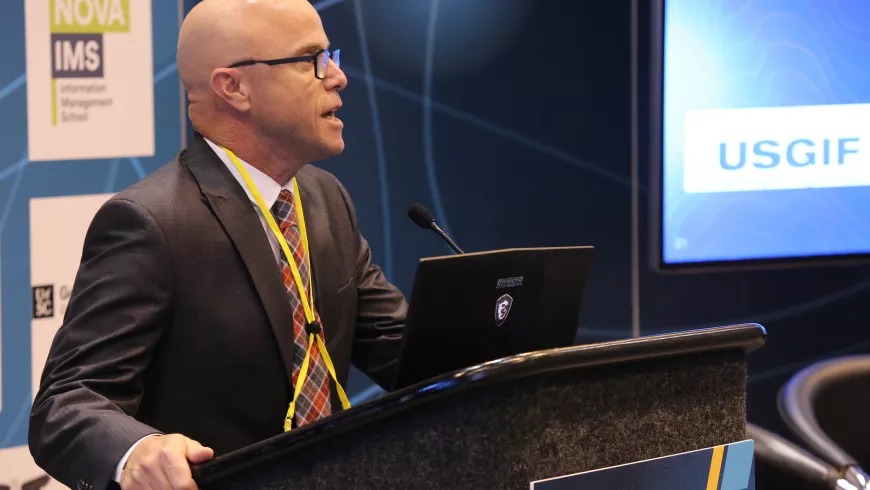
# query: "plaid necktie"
313,402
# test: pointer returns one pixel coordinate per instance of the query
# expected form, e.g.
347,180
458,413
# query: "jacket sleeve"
381,312
81,422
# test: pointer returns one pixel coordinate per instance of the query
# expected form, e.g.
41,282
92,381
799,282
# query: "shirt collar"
269,189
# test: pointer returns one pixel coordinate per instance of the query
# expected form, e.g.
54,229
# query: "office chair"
827,406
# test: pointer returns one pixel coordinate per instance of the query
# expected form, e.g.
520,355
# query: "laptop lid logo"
503,308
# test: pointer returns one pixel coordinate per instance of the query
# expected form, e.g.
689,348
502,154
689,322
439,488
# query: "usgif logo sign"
90,79
773,148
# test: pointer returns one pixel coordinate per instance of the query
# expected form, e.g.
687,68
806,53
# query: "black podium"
515,420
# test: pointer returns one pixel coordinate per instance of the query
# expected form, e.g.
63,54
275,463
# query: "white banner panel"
90,81
57,234
20,472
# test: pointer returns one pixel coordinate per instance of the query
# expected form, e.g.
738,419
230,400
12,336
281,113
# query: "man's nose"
335,78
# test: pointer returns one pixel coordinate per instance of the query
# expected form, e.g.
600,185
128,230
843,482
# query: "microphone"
426,220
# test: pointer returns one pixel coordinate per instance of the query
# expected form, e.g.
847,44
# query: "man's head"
283,107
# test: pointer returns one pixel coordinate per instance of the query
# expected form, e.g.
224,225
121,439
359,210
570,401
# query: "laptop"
477,307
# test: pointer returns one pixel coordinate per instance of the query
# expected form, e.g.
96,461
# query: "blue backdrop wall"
511,119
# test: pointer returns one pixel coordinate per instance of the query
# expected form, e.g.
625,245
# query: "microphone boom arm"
446,238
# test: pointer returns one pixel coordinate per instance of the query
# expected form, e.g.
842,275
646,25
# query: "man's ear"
232,87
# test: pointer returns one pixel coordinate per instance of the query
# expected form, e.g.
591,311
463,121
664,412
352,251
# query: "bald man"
188,322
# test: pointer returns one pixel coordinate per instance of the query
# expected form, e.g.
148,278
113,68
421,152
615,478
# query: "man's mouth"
330,114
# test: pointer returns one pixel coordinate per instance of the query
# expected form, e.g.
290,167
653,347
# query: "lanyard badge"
312,327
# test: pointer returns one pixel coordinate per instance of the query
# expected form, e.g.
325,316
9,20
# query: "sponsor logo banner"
57,234
54,221
90,79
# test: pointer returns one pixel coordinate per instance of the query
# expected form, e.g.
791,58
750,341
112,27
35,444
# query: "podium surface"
514,420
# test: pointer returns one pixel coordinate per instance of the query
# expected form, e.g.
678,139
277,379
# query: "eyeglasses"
320,60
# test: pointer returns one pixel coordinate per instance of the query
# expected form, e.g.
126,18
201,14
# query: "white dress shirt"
269,190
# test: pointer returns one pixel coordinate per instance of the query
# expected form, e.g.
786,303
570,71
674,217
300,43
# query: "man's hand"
163,462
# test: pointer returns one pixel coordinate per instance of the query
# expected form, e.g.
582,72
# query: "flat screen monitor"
759,131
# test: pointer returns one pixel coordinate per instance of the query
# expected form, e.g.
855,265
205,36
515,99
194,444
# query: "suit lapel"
236,214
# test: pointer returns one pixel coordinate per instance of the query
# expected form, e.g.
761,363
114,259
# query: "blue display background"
737,54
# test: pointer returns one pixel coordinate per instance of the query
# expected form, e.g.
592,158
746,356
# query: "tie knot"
283,210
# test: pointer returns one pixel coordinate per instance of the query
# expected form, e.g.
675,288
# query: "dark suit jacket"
179,320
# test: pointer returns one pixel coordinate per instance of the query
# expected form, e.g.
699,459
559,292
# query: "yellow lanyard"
307,304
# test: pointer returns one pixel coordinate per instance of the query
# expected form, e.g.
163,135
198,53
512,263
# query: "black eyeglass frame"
330,55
